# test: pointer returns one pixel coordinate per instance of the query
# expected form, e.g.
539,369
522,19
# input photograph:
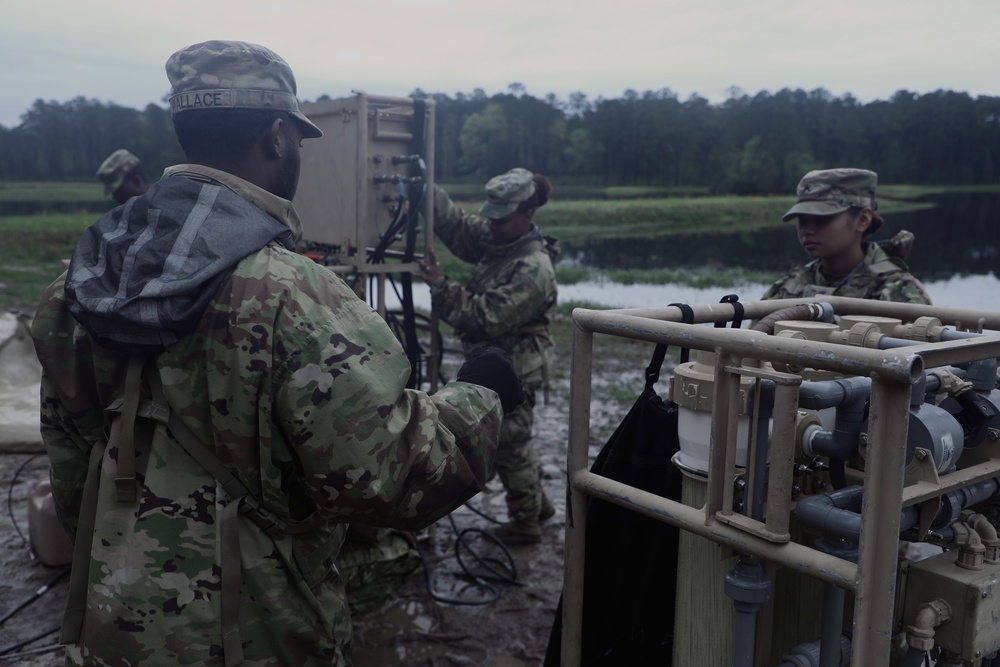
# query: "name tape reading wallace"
232,99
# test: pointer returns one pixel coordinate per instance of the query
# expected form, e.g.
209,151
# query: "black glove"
490,367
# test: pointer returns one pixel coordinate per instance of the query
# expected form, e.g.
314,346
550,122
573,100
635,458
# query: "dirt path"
412,628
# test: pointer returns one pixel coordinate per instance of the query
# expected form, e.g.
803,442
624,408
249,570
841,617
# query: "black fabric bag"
630,575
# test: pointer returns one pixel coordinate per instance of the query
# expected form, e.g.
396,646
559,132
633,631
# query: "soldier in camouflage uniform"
217,408
835,209
122,175
507,302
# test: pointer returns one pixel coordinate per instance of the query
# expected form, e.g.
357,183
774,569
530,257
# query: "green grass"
704,277
31,257
570,275
903,191
577,221
472,193
51,192
37,244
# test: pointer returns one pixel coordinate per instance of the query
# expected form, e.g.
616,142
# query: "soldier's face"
511,228
288,176
829,235
132,186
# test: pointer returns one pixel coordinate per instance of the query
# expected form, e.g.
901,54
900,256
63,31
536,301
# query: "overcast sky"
114,50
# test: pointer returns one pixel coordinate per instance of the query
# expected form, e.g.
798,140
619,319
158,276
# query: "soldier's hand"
430,272
490,367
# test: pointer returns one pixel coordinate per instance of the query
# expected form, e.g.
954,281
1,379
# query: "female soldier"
836,210
506,303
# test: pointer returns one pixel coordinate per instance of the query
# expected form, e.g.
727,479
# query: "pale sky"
114,50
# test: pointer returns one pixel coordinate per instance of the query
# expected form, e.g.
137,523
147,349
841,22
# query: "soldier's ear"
864,220
273,140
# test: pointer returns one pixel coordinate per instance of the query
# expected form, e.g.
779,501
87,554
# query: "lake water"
955,255
981,292
959,236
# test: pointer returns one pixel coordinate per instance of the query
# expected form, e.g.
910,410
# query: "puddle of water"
396,618
411,654
382,646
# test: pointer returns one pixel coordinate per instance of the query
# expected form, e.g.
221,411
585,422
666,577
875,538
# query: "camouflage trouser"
374,563
516,463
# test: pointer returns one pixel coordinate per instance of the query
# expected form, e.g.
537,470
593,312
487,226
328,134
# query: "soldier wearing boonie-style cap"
836,211
504,193
122,176
258,405
507,302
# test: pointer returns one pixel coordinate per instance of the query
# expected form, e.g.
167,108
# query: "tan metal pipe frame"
892,372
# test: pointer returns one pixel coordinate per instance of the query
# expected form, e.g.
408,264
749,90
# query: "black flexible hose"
411,343
821,312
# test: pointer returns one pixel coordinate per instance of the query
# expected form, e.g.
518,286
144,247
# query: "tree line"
748,144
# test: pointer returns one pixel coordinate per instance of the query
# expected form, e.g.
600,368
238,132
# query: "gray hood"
142,275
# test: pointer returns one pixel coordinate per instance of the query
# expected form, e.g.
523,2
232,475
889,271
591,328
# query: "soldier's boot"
548,510
518,531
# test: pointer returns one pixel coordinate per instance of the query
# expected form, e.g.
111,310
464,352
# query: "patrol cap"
505,192
115,168
833,191
222,74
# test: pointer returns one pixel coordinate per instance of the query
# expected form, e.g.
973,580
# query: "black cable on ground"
497,570
37,594
482,514
6,650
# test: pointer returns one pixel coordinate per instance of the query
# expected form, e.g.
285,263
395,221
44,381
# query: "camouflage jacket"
299,387
881,275
510,296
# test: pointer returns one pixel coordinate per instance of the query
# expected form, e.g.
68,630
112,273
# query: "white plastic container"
48,539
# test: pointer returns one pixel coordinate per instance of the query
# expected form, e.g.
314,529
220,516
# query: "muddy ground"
411,628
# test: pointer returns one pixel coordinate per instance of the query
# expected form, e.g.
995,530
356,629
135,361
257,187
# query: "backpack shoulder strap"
76,601
142,379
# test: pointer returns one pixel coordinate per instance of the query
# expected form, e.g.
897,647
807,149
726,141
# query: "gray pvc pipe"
982,373
952,334
745,631
749,587
849,396
823,443
808,654
954,502
838,513
889,343
833,626
832,393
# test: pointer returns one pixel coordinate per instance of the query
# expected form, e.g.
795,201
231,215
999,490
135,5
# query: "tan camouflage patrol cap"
833,191
505,192
233,75
115,168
